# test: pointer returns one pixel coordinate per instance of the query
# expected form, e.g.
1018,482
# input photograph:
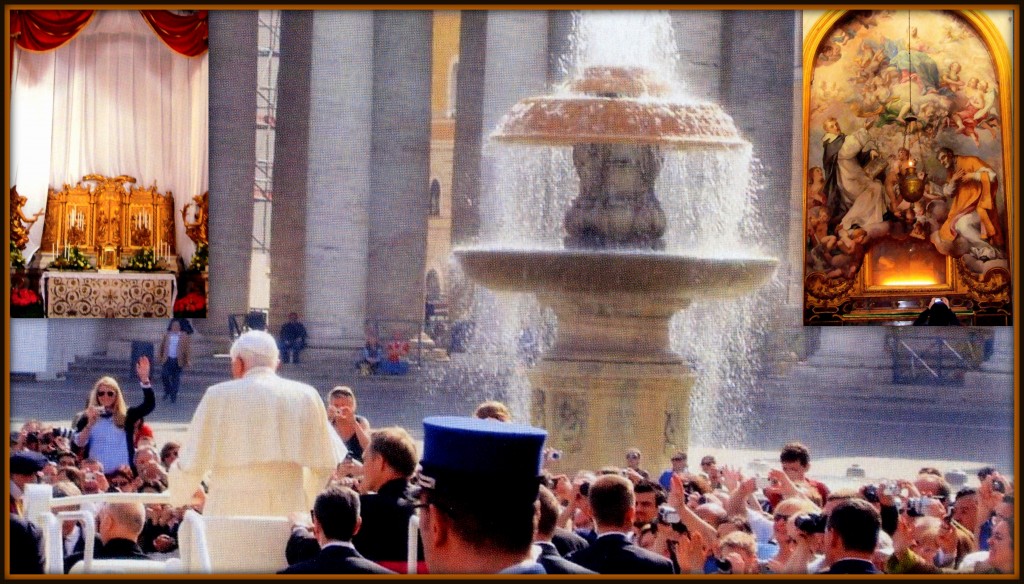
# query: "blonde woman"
105,431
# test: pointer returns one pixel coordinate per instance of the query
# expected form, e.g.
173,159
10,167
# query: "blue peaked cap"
457,447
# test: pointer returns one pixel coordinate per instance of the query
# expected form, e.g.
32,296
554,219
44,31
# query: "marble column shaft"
233,72
400,161
322,174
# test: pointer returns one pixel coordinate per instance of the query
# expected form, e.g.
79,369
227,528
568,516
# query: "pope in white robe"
264,443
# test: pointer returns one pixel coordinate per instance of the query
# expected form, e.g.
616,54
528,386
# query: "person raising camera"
354,430
106,430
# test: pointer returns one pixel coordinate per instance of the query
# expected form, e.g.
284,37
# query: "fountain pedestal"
611,381
595,410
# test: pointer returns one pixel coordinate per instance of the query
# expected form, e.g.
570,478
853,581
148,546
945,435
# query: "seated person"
372,354
397,350
292,339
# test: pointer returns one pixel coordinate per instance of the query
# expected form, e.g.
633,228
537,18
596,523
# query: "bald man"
118,526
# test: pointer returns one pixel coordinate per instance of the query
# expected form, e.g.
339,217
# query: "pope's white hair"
255,349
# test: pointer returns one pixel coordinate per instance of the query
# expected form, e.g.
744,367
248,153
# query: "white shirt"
172,345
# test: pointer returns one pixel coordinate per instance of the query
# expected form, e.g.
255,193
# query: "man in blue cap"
477,495
25,468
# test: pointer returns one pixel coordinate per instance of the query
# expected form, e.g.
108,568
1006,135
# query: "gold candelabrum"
108,222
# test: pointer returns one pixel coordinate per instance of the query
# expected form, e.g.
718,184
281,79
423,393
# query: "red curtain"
184,34
45,30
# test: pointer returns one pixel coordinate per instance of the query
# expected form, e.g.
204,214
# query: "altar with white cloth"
70,294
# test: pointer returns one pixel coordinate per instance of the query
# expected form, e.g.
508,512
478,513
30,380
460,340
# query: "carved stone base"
593,411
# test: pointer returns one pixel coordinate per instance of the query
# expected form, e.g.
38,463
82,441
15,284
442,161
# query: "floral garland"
144,260
73,260
17,259
200,259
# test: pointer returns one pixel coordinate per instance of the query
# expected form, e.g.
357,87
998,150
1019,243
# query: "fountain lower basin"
611,378
632,272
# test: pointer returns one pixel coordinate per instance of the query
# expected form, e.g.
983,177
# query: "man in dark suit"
548,556
851,537
385,507
612,502
388,464
26,545
118,526
335,520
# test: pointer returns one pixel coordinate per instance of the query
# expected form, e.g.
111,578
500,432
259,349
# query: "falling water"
707,196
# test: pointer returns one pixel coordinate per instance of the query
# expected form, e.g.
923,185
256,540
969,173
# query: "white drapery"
114,100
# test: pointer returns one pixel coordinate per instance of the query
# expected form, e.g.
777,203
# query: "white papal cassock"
266,443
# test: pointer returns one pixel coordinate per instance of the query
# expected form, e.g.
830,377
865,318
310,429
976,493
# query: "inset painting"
908,133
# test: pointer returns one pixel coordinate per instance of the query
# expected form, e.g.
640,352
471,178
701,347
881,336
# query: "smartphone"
762,482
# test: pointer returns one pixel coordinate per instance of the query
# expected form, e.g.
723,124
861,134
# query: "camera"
668,515
890,489
871,494
937,300
584,489
724,566
811,523
762,482
554,454
915,506
32,437
90,477
998,486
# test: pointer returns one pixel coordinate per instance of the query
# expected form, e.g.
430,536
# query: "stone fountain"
611,379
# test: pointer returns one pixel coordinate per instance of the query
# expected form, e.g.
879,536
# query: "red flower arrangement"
191,302
23,297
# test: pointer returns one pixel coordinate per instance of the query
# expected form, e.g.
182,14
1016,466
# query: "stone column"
322,174
233,61
699,40
468,126
400,161
758,54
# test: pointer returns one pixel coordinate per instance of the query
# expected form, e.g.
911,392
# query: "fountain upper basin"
686,277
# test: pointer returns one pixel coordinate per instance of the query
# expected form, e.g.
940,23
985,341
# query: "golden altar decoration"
108,222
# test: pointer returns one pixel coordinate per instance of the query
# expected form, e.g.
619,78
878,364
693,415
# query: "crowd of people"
487,492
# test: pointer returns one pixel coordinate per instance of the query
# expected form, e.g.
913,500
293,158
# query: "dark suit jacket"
336,559
567,541
852,566
26,544
120,549
384,534
614,554
554,563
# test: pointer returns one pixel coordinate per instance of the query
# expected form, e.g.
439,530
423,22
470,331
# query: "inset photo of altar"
109,164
